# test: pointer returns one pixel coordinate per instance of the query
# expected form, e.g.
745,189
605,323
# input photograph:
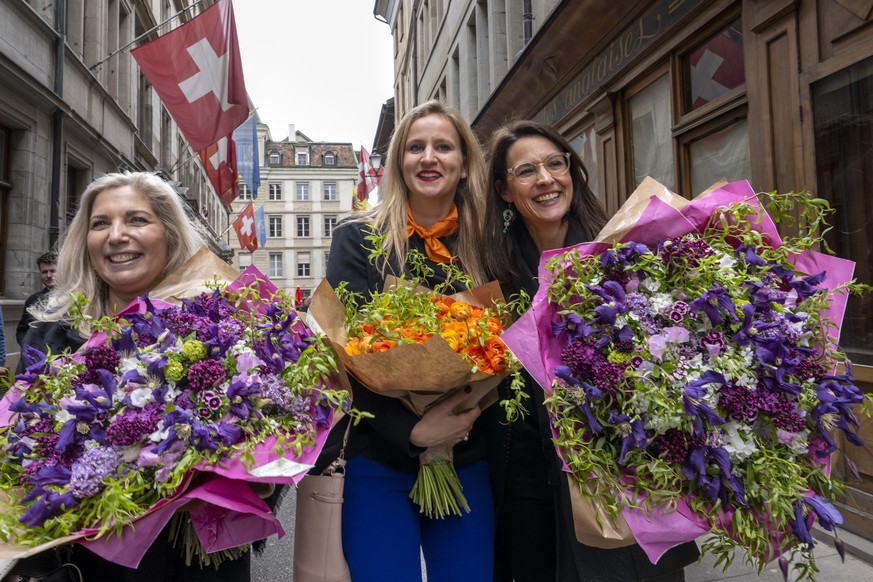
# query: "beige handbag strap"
339,464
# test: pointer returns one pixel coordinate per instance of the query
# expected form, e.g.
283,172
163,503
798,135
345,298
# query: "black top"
26,317
385,437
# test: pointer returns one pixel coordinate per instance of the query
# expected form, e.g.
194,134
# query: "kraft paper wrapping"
190,280
593,526
420,375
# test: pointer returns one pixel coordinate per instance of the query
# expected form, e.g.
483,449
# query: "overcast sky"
324,65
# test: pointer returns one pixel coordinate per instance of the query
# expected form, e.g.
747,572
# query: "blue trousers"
384,534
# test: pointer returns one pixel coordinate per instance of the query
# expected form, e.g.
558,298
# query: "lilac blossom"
88,472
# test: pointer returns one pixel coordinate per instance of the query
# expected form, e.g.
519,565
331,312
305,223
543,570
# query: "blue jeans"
384,533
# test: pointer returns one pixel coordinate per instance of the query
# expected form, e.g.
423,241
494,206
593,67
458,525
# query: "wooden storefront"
779,92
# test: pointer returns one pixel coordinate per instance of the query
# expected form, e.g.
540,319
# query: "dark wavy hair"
503,250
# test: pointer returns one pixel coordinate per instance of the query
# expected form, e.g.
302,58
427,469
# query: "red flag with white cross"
197,72
219,161
244,225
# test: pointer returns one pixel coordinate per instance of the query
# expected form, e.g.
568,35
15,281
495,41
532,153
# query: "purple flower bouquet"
690,371
166,407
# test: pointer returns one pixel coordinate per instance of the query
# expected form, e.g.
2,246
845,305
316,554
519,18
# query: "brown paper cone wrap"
191,278
418,374
594,527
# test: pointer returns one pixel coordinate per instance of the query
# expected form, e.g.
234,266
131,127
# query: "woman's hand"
441,426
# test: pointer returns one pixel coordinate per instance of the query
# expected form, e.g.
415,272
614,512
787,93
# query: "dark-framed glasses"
556,164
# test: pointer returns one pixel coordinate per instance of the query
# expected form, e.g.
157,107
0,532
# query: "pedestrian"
47,265
432,200
130,231
539,199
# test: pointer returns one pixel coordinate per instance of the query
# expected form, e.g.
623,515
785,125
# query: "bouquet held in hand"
690,366
164,405
420,346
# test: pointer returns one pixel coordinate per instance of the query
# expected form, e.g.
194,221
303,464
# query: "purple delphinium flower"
695,469
88,472
692,396
829,517
573,326
47,504
713,303
632,433
580,393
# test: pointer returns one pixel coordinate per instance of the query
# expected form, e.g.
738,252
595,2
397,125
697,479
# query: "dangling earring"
508,217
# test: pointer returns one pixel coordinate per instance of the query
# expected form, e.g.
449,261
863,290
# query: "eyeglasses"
526,173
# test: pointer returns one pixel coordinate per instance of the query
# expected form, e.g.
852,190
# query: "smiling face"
127,244
545,201
433,164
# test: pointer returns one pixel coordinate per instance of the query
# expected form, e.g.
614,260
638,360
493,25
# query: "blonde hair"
75,274
389,216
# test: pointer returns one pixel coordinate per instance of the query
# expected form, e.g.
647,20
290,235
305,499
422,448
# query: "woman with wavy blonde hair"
75,271
432,200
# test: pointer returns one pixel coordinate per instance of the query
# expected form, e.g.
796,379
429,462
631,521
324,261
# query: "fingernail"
468,389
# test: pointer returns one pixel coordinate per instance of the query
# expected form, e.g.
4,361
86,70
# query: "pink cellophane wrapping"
531,341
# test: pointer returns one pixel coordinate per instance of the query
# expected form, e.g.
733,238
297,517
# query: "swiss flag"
368,179
244,225
197,72
219,161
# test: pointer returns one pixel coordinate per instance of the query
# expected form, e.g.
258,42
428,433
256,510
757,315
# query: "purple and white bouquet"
164,405
690,372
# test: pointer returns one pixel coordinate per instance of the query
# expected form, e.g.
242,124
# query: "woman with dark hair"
538,200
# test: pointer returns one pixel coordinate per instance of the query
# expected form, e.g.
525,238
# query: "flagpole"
145,34
185,162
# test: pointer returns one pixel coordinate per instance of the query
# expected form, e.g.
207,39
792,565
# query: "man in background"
47,264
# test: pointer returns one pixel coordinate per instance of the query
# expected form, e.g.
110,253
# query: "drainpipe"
527,20
57,125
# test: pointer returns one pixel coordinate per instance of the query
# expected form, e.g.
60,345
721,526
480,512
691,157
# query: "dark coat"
385,437
26,317
528,445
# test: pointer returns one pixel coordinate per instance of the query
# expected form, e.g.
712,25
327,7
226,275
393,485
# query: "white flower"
737,441
172,392
159,434
63,416
725,262
129,363
141,396
651,284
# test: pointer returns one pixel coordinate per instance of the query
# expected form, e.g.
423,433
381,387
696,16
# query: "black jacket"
385,437
523,461
26,317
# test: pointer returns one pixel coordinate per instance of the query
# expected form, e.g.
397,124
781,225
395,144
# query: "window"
720,154
651,134
714,68
585,145
306,293
303,264
275,158
245,259
275,192
302,191
841,109
244,192
329,159
302,158
303,226
330,190
329,225
275,226
276,265
326,259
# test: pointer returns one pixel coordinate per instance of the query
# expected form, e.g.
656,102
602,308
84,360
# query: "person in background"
539,199
47,264
432,200
130,231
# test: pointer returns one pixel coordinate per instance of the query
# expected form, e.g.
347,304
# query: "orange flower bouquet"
444,342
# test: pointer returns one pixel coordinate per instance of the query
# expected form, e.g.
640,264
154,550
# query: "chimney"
292,132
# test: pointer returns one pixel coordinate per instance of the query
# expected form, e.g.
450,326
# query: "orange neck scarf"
435,249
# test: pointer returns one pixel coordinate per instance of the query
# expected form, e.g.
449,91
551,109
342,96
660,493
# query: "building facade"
74,106
778,92
306,189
